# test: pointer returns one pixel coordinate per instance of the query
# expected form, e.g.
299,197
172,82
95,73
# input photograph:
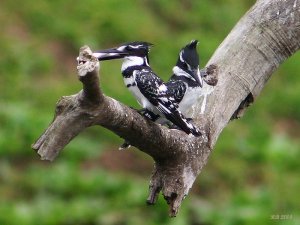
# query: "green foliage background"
252,176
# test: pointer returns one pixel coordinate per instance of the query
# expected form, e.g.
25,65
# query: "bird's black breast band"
131,85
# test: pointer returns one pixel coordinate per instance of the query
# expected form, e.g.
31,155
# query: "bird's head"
188,63
136,48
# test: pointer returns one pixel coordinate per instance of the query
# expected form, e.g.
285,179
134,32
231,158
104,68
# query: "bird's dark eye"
185,64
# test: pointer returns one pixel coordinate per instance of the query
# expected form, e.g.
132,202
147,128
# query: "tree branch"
266,36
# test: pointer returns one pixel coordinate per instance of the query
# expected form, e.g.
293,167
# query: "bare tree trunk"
267,35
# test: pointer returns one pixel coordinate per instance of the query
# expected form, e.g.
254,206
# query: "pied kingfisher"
149,90
186,82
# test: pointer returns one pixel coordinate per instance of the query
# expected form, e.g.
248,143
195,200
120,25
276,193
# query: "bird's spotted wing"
154,89
149,85
171,112
177,89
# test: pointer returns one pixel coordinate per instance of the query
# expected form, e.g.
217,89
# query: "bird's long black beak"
197,75
111,53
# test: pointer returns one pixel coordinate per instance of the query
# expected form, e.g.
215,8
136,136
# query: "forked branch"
267,35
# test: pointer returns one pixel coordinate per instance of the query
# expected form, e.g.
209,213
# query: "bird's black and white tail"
176,117
179,120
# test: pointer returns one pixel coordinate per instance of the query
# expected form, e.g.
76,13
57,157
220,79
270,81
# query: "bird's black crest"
189,54
192,44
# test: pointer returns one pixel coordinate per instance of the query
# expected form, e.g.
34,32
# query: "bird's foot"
125,145
147,113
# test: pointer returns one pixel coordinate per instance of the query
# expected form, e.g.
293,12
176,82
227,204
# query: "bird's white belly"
142,100
190,98
194,96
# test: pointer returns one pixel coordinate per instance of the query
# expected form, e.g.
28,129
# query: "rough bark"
268,34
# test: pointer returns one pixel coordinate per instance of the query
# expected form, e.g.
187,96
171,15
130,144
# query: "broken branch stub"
71,114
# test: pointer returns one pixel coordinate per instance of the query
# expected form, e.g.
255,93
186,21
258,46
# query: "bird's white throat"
132,61
180,72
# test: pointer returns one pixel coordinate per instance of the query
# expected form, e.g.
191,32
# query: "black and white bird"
149,90
186,83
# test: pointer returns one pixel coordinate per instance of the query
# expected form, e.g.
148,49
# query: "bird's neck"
132,63
180,74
